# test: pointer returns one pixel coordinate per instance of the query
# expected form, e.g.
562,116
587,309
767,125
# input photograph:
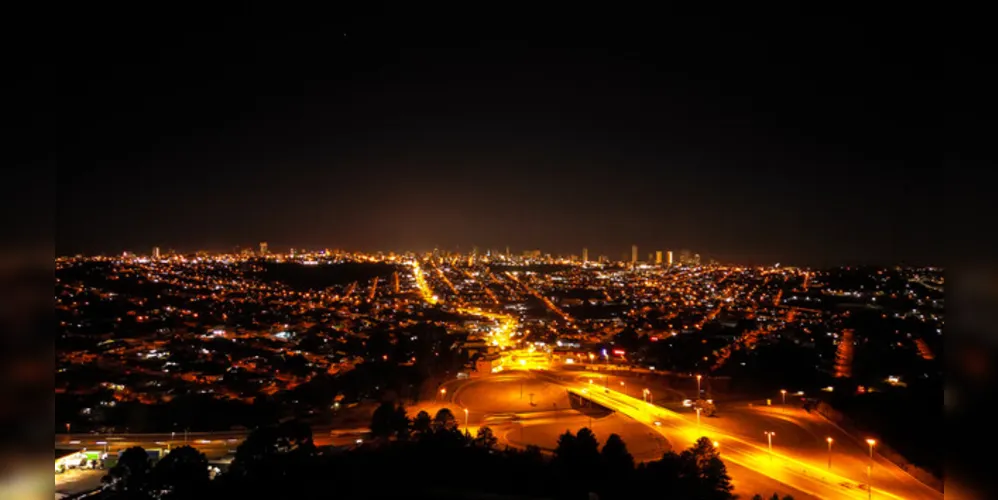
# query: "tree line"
424,457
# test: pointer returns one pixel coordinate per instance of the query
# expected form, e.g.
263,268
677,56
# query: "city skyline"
663,256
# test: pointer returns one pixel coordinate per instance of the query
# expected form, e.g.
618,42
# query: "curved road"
799,457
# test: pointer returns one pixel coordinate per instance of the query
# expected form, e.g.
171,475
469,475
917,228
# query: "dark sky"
800,141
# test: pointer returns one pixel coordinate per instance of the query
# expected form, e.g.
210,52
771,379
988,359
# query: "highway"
534,408
803,467
212,444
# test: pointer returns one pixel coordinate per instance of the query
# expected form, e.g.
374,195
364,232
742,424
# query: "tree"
183,473
400,422
788,497
422,424
757,497
702,451
776,496
577,456
586,443
130,473
273,451
444,420
383,420
715,480
617,470
532,454
707,472
486,438
616,457
567,448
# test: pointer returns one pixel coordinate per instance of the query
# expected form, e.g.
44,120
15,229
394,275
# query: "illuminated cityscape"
603,256
653,346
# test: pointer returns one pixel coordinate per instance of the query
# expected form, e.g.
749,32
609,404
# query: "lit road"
212,444
801,467
533,407
501,335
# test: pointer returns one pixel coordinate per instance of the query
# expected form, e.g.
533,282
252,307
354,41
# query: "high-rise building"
585,255
658,257
634,254
684,257
263,248
696,259
292,252
668,257
155,253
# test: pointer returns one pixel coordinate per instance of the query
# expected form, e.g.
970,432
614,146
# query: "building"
532,254
634,254
668,258
488,363
155,252
684,257
585,255
696,259
263,248
658,257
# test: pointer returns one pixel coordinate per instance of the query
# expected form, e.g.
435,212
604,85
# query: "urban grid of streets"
766,446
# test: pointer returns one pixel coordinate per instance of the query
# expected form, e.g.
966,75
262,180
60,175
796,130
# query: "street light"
769,437
624,386
869,468
698,419
869,483
698,385
466,419
829,439
443,392
716,444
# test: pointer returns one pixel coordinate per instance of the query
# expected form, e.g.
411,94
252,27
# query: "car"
658,424
687,403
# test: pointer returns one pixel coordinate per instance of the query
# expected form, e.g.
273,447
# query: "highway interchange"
798,464
536,406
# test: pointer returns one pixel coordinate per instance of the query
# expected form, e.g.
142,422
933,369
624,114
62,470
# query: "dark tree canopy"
182,473
280,461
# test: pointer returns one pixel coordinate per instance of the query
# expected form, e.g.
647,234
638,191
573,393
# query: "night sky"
797,142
